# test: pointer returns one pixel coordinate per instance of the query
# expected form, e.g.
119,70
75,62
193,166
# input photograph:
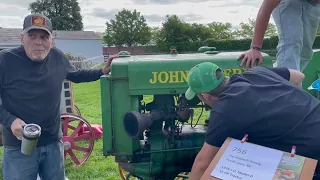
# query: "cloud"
101,27
185,17
12,10
10,22
235,3
213,2
19,3
154,18
166,2
103,13
97,12
191,17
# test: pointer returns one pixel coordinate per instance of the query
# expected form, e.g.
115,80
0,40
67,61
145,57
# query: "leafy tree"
220,30
199,32
246,29
174,31
155,33
65,15
128,27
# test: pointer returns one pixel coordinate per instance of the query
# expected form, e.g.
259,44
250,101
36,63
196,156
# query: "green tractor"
148,126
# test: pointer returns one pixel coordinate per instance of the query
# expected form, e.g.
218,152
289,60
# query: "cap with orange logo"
37,21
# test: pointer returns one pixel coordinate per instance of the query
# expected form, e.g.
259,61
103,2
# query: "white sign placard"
245,161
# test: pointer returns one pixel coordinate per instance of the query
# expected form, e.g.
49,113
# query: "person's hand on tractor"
250,57
107,67
17,127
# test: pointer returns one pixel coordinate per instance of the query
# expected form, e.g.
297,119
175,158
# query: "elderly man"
265,103
31,78
297,23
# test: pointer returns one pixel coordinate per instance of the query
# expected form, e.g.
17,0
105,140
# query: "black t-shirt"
262,103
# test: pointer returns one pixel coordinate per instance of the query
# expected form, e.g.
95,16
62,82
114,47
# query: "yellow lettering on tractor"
169,77
229,72
173,77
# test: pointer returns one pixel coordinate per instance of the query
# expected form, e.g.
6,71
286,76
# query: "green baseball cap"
202,78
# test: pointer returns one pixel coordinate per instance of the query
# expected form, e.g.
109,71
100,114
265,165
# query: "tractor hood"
169,73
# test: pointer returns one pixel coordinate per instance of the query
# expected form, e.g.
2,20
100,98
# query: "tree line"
130,27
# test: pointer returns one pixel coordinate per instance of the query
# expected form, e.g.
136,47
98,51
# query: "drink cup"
30,136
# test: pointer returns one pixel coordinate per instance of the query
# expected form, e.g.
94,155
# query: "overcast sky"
96,12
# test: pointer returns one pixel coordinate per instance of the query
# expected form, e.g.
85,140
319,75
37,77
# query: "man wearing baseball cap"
31,78
204,77
268,104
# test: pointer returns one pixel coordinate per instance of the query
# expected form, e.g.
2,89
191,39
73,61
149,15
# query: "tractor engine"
167,145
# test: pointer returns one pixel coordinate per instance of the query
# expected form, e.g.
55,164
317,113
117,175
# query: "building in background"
87,44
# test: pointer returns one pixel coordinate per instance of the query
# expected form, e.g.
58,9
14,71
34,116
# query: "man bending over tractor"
265,103
31,78
297,23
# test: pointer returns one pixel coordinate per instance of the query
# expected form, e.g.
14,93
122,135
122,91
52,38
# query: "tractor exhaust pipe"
136,123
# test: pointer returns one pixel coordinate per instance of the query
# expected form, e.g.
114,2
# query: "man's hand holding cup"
17,127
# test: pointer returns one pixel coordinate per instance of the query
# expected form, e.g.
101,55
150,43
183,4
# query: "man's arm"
294,76
262,21
250,57
81,75
224,122
219,129
202,161
6,118
215,136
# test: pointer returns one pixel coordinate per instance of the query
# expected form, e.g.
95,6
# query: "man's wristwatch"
256,48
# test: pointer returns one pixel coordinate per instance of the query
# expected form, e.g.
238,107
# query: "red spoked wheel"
77,145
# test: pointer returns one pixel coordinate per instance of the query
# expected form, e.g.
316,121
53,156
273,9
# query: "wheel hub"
66,145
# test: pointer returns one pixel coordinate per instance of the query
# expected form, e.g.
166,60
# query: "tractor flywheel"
78,143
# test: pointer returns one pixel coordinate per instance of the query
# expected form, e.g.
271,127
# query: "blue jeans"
297,24
47,161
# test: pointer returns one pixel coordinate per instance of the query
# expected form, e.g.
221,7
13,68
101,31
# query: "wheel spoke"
65,126
74,157
83,149
71,127
75,132
82,137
